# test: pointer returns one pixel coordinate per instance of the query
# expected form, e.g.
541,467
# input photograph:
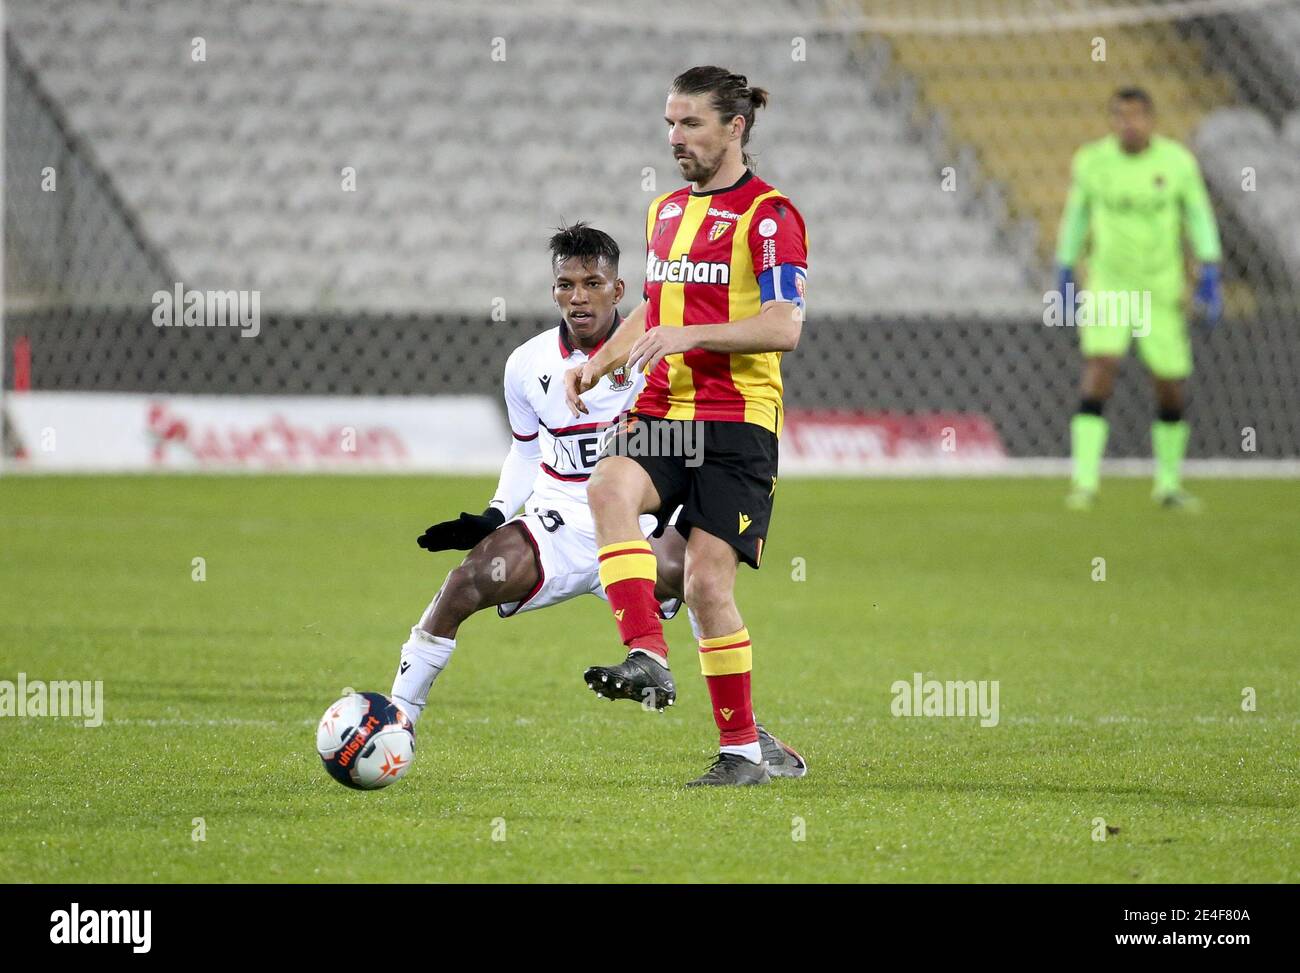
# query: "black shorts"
723,474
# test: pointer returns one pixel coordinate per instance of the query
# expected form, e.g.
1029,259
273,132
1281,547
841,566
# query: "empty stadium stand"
235,163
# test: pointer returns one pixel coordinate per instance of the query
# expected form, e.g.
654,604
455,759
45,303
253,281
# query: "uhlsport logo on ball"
365,741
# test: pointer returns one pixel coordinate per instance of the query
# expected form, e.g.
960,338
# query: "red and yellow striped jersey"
704,255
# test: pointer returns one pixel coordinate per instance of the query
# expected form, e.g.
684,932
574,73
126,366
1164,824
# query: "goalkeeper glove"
1209,296
463,533
1069,294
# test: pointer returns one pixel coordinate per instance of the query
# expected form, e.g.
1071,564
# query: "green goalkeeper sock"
1169,443
1087,445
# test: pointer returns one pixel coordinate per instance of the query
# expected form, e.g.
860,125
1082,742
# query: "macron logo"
132,926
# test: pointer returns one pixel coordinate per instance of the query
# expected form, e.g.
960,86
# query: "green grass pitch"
1120,699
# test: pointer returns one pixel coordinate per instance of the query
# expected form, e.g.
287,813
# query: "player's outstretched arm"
612,354
776,327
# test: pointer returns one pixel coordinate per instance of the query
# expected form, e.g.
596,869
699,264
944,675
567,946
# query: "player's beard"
698,170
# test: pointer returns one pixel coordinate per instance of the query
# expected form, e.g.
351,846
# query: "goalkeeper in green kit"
1132,194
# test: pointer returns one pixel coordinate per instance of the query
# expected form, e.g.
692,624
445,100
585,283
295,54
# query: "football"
365,741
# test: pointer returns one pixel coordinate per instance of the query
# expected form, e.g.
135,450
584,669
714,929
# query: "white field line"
1063,720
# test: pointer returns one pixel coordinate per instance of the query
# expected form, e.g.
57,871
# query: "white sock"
695,624
655,656
750,751
423,657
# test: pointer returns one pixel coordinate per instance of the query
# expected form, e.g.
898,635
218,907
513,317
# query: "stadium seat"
452,148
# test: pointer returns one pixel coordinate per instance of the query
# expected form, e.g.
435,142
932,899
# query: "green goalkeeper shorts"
1109,320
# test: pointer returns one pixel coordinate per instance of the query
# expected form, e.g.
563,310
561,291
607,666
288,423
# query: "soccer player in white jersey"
546,554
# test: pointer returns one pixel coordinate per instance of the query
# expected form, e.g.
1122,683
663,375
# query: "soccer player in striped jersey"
1132,194
726,261
546,554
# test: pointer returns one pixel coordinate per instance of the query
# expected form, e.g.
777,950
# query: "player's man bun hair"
584,241
730,94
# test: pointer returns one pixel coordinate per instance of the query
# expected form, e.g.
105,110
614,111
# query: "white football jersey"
559,449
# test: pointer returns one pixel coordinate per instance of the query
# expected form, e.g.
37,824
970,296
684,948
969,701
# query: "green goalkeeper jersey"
1131,209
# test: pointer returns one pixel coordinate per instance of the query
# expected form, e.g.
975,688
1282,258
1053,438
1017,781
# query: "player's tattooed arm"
612,354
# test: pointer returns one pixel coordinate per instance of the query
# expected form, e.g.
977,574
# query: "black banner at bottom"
138,922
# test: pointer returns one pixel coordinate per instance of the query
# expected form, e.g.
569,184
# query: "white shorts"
564,539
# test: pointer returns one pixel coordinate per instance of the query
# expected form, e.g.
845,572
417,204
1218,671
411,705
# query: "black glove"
462,533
